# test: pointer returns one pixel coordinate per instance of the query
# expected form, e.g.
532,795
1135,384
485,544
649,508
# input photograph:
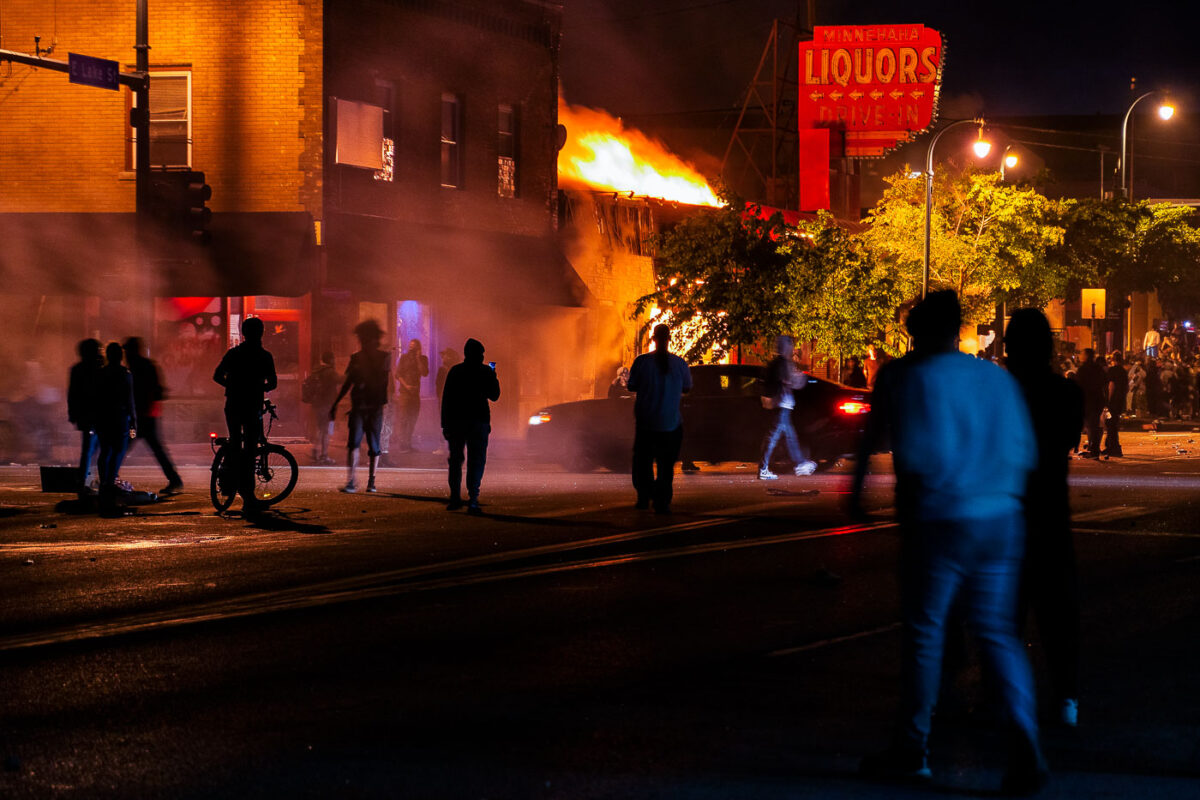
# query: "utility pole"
142,188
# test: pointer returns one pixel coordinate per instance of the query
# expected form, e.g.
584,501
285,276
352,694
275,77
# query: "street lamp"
982,147
1165,112
1007,160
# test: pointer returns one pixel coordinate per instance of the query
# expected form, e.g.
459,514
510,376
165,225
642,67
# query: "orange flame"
601,153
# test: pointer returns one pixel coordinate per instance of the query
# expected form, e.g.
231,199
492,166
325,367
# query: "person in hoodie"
466,422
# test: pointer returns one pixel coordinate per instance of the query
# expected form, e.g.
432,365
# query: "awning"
95,254
384,259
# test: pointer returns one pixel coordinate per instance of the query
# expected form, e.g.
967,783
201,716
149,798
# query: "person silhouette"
116,421
148,394
367,379
247,371
961,471
1050,584
659,379
81,406
410,369
466,422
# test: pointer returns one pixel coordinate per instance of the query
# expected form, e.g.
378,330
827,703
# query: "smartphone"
492,364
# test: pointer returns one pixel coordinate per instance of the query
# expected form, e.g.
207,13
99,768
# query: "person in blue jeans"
116,420
659,379
784,380
961,470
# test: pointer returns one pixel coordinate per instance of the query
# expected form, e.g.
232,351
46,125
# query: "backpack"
309,389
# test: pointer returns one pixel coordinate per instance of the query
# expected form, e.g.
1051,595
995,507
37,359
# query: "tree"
990,241
846,300
726,274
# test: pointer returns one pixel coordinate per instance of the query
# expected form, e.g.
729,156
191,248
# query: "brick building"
384,158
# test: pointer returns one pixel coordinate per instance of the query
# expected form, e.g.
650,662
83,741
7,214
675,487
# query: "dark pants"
148,432
1091,425
1112,438
409,406
655,449
88,442
245,431
114,441
473,438
1050,588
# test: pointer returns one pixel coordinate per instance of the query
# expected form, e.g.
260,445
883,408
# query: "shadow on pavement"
277,521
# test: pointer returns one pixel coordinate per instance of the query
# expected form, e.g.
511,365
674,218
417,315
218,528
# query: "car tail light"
540,418
854,407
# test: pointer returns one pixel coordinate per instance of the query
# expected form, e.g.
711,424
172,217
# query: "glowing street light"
982,147
1008,160
1165,112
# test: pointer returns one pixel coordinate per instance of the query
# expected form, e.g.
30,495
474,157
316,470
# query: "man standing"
321,387
148,395
784,379
1116,388
1091,379
961,471
247,371
81,406
855,377
466,421
116,423
659,379
413,366
368,380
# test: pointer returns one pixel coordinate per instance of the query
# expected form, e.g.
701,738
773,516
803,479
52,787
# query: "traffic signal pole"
139,82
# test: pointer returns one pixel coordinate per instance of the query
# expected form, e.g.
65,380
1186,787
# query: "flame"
601,153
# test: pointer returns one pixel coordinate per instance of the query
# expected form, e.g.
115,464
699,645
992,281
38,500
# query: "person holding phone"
466,421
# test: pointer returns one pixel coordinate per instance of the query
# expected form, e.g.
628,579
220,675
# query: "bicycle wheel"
222,485
275,474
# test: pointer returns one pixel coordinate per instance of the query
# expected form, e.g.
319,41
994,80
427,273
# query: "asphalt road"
564,645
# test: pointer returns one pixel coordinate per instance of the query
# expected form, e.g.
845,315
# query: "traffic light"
178,202
197,215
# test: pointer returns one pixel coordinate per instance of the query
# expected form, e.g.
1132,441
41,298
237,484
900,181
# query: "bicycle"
275,469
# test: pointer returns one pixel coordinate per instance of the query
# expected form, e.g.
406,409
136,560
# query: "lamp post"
1165,111
1007,161
981,149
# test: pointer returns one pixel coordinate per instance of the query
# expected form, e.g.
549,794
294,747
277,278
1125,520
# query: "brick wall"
256,111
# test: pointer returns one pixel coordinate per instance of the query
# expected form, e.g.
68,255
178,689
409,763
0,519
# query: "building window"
506,149
451,141
170,121
385,93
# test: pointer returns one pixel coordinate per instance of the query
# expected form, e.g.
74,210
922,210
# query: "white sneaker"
806,468
371,487
349,488
765,474
1069,714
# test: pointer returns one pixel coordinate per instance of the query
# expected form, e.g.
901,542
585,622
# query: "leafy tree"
846,300
727,275
990,241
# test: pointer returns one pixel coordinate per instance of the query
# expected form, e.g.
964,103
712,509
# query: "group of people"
114,399
982,503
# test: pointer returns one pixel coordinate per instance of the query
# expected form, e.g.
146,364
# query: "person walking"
784,379
81,407
467,422
1050,580
1091,379
247,371
659,379
1154,388
1116,389
1181,396
116,422
1137,386
411,368
367,380
319,390
961,470
148,393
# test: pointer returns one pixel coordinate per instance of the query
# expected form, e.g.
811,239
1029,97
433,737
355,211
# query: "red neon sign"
876,83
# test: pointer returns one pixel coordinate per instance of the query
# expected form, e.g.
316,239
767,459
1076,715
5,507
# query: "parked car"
723,420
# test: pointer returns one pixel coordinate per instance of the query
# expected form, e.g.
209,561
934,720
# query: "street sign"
91,71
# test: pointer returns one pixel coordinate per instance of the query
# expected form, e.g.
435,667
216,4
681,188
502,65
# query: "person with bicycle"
247,372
